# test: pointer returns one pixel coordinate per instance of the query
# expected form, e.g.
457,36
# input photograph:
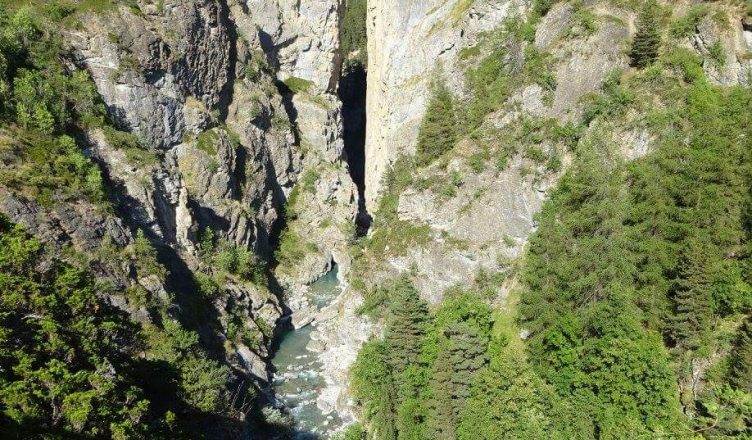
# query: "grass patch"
298,85
207,142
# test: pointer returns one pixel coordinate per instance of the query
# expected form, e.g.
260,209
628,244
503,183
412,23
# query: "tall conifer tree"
741,359
463,356
406,325
648,39
438,131
693,293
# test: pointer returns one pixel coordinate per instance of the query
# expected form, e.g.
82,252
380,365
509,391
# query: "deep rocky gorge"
258,129
235,102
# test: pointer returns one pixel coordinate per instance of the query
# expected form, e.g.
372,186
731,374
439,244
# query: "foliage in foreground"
71,364
454,373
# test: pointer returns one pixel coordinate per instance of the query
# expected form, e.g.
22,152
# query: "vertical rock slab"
411,43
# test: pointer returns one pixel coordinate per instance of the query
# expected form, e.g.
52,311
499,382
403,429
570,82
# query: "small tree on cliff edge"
647,40
438,131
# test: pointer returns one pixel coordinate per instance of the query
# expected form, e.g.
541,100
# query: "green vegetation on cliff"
631,319
73,366
650,256
45,105
353,34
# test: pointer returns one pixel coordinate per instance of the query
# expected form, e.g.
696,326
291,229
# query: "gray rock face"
491,215
554,25
326,205
338,339
81,224
399,74
161,74
409,44
583,62
145,66
300,36
485,224
726,49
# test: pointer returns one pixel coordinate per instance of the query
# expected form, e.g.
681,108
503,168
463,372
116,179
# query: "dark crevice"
352,93
226,94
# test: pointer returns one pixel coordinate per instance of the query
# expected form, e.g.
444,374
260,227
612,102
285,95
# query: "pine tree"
741,358
693,295
373,386
647,40
406,325
438,131
441,421
463,356
353,31
467,356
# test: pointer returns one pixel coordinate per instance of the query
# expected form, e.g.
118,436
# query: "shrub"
489,85
477,161
292,248
687,63
207,142
145,257
541,7
686,25
309,179
613,101
717,53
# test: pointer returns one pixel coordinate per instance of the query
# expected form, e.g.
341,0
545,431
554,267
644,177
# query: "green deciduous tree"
373,386
630,378
39,100
145,257
204,383
63,357
509,400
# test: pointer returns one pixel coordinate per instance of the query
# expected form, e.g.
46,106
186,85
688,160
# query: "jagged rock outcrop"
725,43
81,224
145,65
300,37
326,203
226,144
582,63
